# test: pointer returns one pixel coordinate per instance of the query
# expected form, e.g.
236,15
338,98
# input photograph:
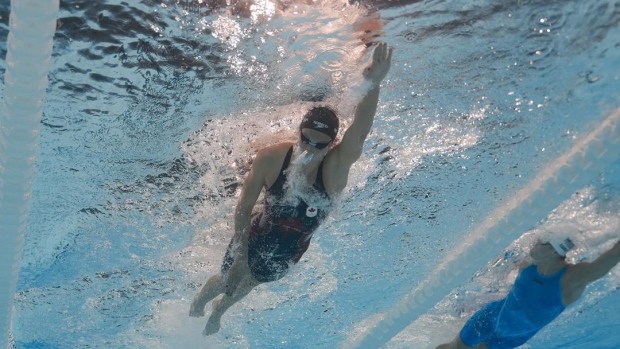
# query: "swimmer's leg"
213,288
478,329
220,306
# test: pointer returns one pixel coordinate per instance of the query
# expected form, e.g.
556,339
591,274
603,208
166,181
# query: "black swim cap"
322,119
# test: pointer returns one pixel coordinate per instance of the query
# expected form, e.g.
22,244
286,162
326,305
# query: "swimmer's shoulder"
274,153
270,159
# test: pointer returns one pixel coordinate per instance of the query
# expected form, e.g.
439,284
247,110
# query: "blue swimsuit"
532,303
281,234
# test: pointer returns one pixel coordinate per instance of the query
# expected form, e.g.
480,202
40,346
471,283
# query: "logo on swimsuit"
311,212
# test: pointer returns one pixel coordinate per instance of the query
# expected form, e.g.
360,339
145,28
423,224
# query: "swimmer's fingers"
389,54
385,54
379,53
375,53
380,64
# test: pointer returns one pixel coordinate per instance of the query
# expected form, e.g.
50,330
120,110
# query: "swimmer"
267,243
540,293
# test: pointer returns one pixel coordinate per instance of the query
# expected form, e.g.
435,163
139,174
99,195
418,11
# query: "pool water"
155,108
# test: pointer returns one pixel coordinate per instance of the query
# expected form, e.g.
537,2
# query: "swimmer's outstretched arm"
348,151
604,263
353,140
584,273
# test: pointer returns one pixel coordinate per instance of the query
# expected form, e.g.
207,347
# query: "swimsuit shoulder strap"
319,179
287,160
277,188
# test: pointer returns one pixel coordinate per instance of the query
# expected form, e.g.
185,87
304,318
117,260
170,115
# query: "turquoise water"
153,108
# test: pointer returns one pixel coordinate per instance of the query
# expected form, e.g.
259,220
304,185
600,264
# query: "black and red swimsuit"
281,234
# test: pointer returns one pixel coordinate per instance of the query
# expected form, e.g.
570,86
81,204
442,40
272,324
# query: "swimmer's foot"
213,324
197,309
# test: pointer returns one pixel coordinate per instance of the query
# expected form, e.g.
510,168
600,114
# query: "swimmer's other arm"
252,186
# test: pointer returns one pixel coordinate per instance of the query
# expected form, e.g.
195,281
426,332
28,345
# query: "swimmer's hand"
380,63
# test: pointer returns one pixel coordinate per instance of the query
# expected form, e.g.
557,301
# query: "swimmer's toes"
195,310
196,313
213,325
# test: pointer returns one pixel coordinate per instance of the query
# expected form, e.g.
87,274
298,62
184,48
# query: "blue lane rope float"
32,25
571,171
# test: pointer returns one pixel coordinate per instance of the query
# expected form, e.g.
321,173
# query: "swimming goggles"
313,144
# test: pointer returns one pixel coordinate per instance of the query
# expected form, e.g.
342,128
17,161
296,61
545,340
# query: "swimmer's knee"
253,281
248,283
244,287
